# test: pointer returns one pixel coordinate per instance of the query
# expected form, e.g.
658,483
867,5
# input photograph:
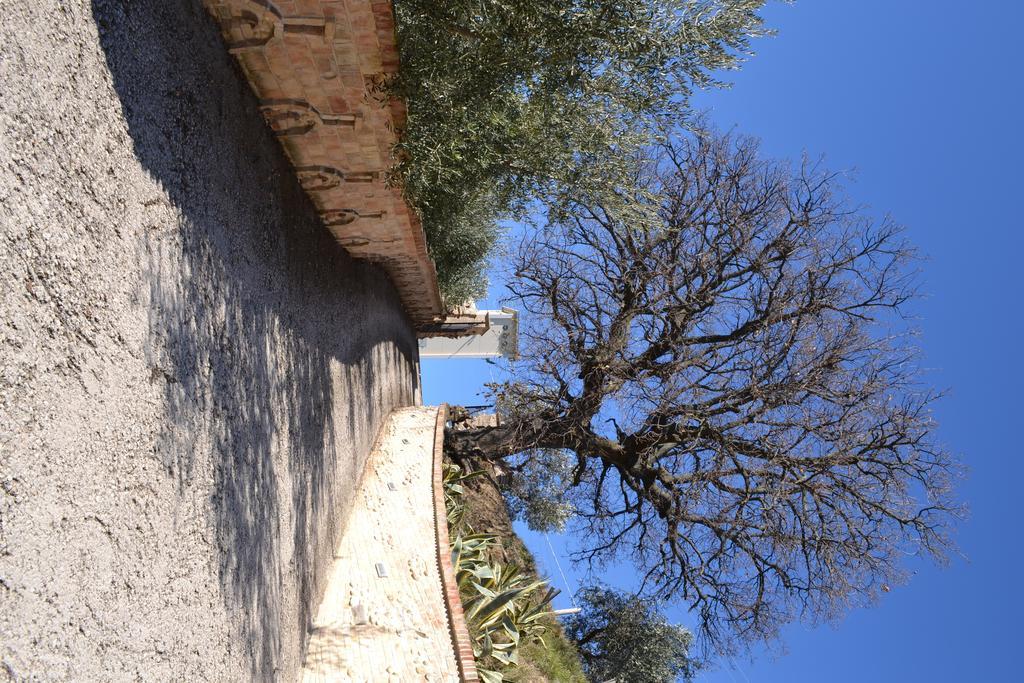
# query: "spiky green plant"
503,606
455,508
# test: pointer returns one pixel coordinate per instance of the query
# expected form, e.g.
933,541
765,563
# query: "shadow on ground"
279,354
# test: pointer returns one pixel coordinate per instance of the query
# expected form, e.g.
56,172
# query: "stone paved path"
392,627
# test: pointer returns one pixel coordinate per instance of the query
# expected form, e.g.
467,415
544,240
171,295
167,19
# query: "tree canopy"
718,347
623,638
511,101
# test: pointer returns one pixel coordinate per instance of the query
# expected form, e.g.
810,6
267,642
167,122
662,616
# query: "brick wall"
316,66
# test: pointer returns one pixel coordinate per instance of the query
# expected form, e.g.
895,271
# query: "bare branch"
736,384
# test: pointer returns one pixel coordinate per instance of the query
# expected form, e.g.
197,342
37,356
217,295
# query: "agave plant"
503,612
500,601
455,507
469,558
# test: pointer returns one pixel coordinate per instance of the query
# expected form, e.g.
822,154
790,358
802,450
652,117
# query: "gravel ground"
191,372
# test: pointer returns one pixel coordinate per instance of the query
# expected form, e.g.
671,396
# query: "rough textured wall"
191,370
315,65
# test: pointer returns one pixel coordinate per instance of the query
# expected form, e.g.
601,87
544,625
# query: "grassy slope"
558,661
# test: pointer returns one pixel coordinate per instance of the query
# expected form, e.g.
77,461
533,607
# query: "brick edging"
453,603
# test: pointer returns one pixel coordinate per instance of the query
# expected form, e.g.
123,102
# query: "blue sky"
924,100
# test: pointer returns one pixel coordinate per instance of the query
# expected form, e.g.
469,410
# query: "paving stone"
390,628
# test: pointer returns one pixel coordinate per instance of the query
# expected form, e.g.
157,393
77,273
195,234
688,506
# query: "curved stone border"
383,615
453,603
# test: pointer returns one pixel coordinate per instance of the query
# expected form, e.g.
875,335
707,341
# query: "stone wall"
192,370
383,616
318,68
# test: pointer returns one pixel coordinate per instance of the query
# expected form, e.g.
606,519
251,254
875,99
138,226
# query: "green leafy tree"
514,101
735,386
535,491
626,639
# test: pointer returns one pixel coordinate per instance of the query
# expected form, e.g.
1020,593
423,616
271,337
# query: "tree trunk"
501,441
487,443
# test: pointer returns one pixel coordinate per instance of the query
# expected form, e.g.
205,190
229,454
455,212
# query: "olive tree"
719,351
513,100
623,638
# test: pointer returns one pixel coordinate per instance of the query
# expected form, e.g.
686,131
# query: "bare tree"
722,353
